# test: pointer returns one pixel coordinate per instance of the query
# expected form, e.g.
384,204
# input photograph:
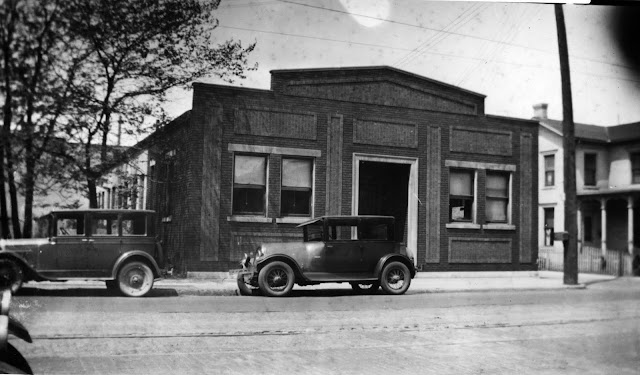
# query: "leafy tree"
139,49
77,74
37,66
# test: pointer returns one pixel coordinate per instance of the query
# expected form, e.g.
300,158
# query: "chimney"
540,110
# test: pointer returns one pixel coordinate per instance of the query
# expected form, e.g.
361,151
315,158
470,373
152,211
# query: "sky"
506,51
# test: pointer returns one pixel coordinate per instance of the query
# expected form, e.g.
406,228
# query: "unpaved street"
592,331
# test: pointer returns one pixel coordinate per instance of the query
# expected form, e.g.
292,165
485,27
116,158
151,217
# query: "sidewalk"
222,284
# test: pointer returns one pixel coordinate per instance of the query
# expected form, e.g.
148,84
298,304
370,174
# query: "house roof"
378,67
611,134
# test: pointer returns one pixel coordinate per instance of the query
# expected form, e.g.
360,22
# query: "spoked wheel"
276,279
135,279
395,278
11,275
365,288
244,287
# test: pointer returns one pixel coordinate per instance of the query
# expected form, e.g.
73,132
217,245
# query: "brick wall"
209,238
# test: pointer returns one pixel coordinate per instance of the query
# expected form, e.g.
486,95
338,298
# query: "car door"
104,243
376,241
343,253
66,255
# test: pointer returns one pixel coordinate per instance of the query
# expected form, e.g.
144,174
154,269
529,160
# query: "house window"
461,195
590,169
548,226
296,189
249,184
635,168
497,197
549,170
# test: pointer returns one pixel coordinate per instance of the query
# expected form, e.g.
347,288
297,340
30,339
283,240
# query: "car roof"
350,219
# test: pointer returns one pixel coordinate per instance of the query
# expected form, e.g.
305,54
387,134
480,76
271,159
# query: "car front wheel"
135,279
276,279
395,278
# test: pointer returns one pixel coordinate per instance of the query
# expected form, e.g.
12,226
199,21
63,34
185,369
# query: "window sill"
249,219
548,187
463,225
590,187
292,220
499,226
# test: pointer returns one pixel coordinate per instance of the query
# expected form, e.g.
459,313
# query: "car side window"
104,225
70,225
342,232
134,225
373,232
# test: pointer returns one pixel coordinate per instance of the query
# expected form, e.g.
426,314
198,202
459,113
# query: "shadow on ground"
90,292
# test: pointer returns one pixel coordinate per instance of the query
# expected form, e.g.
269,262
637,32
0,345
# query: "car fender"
282,258
392,258
30,272
135,254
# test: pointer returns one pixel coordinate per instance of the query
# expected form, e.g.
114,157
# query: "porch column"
603,226
579,225
630,223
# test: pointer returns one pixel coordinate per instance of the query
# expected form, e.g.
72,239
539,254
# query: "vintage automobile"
360,250
117,246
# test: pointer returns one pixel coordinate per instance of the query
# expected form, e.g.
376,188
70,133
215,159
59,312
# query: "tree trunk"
13,196
4,217
93,193
29,182
569,145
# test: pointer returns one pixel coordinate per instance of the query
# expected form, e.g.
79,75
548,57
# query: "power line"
451,33
410,49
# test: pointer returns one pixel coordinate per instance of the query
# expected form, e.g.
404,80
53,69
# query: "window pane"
549,162
549,179
104,225
496,210
497,185
460,209
249,170
296,173
70,225
296,202
374,232
461,183
590,169
248,200
134,225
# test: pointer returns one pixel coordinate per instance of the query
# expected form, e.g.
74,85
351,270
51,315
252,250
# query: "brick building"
246,166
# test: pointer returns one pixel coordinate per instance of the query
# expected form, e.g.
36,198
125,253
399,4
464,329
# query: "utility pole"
570,240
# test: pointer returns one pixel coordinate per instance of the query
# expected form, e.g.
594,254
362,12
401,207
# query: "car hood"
22,244
292,249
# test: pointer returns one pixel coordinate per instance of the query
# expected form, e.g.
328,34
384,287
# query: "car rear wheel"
11,275
244,287
276,279
135,279
365,288
395,278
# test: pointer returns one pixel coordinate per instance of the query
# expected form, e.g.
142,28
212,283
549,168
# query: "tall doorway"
384,190
386,185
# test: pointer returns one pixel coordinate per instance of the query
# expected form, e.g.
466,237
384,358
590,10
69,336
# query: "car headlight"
259,253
